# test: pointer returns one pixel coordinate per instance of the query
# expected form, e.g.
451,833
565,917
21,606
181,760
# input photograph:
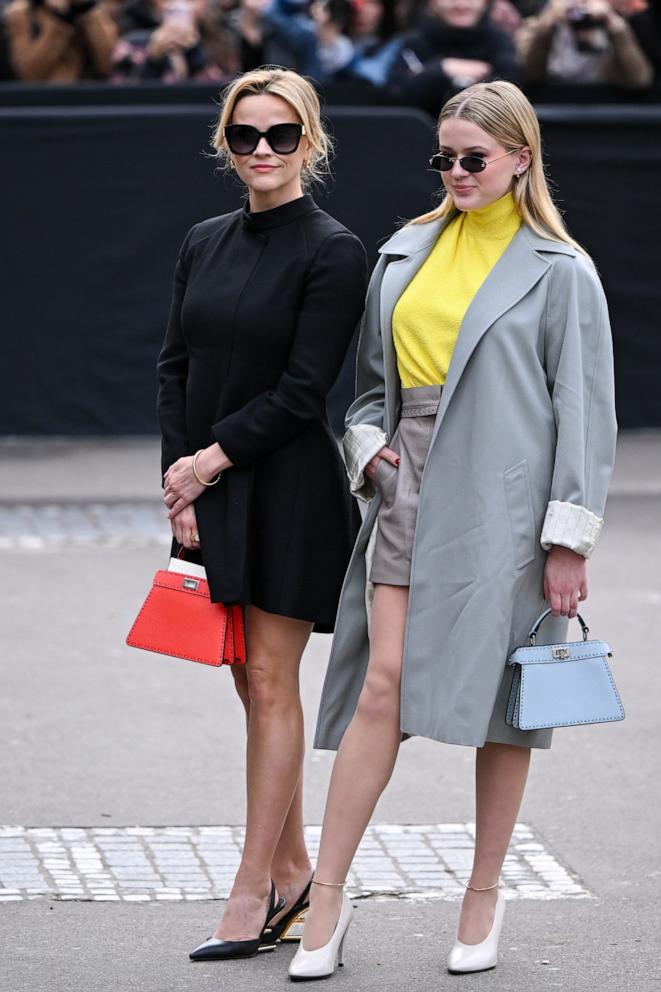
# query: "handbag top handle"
534,630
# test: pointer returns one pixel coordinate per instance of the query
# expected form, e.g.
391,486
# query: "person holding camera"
315,35
59,41
585,41
166,40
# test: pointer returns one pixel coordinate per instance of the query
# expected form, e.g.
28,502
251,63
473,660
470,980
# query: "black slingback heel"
216,949
289,926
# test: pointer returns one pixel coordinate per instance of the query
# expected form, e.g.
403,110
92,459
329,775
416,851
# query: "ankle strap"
331,885
487,888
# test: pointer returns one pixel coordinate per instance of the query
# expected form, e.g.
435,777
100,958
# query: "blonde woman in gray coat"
483,436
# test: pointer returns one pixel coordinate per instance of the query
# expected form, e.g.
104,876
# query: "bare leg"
364,763
291,867
274,758
501,771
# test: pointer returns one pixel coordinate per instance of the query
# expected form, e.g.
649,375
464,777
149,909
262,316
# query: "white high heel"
479,957
321,963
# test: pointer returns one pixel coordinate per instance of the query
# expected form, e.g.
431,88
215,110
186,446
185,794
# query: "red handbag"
179,619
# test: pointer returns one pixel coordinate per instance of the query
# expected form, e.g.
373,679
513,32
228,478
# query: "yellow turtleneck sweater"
428,314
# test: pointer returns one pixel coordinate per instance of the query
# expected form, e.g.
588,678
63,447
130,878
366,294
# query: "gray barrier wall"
96,201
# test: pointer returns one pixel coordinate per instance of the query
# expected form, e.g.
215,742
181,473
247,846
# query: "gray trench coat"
520,459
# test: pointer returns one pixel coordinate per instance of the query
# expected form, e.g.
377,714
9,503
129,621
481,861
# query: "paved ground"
100,737
175,864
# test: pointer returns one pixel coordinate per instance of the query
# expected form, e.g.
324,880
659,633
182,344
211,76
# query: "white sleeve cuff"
361,443
572,526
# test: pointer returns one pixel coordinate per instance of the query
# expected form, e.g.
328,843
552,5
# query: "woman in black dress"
266,300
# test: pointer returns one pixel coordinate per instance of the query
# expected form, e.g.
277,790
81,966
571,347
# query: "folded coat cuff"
571,526
360,444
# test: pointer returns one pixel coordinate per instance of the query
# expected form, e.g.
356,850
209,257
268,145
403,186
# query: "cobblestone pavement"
143,864
38,526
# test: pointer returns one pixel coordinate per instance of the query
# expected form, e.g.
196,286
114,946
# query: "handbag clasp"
560,654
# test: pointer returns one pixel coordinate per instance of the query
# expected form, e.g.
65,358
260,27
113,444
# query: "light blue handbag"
562,685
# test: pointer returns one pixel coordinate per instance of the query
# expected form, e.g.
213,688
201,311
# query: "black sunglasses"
283,139
469,163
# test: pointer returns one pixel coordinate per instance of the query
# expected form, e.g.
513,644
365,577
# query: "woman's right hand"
184,528
388,455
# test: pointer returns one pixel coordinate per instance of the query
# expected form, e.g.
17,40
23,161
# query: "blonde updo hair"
301,96
502,110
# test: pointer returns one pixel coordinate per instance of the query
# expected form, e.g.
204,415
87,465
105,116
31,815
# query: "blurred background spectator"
455,43
505,15
59,41
407,52
590,41
334,50
280,39
167,40
251,36
315,34
376,42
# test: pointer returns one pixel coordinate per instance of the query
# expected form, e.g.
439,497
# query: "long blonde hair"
301,97
502,110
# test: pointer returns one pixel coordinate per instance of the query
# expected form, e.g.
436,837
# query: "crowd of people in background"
414,52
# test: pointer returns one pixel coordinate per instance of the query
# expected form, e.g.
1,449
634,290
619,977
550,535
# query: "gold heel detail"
294,930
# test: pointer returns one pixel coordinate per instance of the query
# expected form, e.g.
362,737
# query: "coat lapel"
521,266
411,247
513,276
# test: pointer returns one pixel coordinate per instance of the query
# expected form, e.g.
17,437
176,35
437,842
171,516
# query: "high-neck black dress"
264,308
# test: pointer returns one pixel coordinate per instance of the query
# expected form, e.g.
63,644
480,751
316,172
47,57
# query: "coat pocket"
519,508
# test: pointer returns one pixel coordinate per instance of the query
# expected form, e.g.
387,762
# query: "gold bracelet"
201,481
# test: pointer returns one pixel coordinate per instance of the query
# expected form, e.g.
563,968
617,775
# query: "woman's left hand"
565,581
181,486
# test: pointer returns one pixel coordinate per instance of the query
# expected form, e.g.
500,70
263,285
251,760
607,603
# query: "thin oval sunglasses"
469,163
283,139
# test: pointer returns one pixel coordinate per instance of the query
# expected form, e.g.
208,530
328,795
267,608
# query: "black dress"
264,308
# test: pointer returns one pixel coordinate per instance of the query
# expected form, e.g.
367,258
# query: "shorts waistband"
420,401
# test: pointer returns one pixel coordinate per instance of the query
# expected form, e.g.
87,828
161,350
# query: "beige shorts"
400,487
